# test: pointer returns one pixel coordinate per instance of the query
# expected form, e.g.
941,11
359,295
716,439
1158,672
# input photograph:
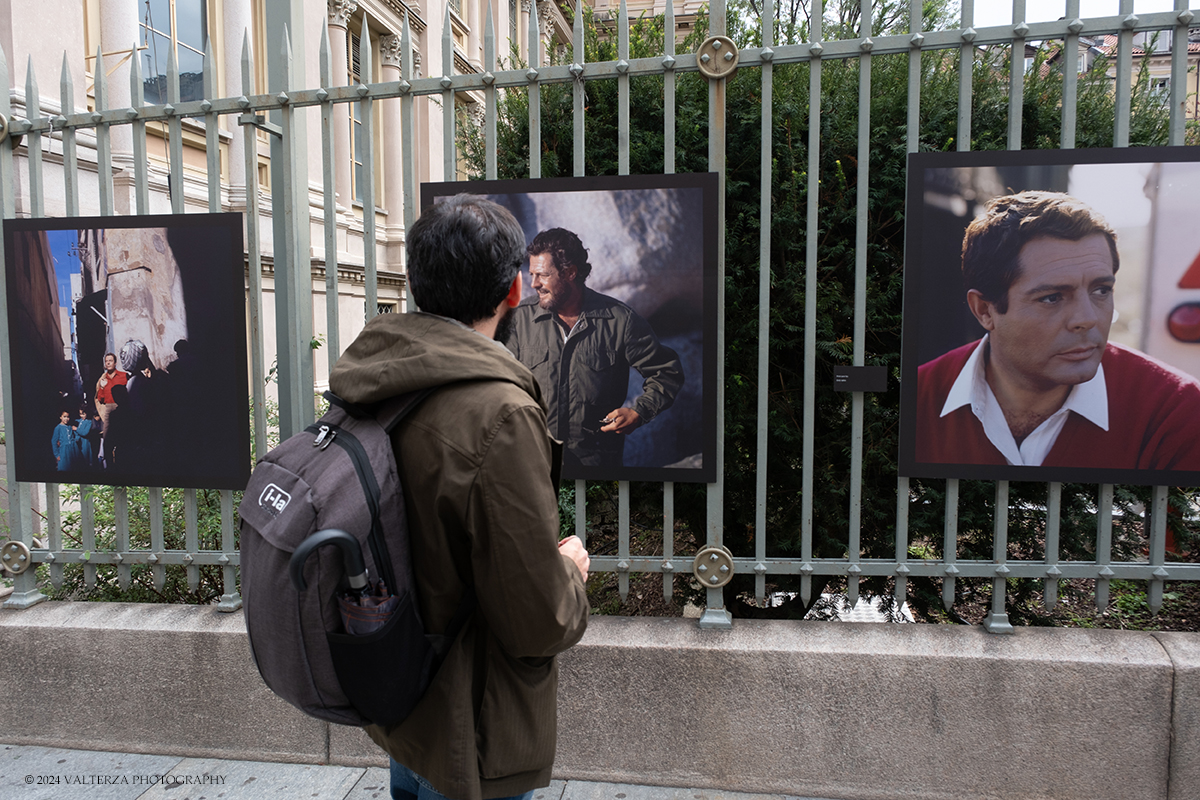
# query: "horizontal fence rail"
277,116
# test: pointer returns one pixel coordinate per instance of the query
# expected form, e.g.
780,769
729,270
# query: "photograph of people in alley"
127,342
618,318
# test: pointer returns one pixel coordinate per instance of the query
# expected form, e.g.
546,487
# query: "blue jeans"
408,785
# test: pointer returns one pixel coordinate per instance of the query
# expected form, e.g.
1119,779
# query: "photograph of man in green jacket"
478,467
580,345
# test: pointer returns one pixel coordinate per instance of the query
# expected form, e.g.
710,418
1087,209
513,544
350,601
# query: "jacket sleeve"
533,597
659,366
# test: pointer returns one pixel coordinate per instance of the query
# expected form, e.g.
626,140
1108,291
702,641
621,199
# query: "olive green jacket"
475,459
587,376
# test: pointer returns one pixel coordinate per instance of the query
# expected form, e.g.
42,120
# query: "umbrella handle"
352,557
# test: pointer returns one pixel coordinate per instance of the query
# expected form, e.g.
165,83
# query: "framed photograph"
1052,316
619,317
127,350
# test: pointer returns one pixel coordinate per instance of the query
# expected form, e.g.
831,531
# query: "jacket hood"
399,353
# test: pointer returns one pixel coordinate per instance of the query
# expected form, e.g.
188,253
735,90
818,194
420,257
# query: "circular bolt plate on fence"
717,57
713,567
14,557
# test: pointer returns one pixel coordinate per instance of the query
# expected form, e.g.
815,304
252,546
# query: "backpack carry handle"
352,557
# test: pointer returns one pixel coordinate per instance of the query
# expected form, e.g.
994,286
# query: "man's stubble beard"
504,327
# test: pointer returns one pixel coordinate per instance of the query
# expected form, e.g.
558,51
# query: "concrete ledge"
818,709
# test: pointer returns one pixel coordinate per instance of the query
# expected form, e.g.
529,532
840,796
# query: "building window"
387,308
181,25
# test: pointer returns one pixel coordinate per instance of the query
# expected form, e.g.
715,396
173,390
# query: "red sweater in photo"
1153,418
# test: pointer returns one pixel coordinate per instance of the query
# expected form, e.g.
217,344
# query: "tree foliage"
835,265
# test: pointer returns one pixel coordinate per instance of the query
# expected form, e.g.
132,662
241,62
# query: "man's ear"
983,310
514,292
569,273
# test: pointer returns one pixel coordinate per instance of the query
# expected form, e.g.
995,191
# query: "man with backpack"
479,471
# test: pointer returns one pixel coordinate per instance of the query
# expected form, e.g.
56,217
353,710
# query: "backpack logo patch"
274,500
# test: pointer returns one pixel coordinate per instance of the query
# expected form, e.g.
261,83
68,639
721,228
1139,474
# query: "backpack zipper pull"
322,433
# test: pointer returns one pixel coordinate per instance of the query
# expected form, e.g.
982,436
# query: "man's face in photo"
1060,309
110,363
552,286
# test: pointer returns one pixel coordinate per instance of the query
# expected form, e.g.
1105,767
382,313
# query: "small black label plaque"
860,379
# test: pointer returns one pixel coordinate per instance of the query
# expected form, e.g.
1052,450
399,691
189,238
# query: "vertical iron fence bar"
449,165
158,572
87,511
578,93
1124,78
141,191
622,169
231,600
366,110
329,201
623,539
1016,74
407,143
71,195
913,134
669,90
535,94
121,512
853,544
293,269
489,95
1104,509
25,592
1053,520
37,203
213,156
668,169
623,90
1179,72
54,532
950,543
254,259
175,184
764,303
966,67
175,136
1158,542
70,159
212,141
103,145
810,301
996,620
1071,75
191,538
579,145
137,100
715,614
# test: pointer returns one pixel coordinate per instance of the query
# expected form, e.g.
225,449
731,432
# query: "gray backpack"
339,474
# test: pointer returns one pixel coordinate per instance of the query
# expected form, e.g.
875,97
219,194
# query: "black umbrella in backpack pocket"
383,654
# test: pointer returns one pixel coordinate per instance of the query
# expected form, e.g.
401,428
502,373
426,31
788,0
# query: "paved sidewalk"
49,773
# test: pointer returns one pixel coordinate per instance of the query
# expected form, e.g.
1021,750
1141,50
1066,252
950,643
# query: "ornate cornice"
340,11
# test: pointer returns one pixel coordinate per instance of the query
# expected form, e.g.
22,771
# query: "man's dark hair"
565,249
993,241
463,254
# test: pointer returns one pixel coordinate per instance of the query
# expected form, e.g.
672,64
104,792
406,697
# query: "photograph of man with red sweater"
1044,387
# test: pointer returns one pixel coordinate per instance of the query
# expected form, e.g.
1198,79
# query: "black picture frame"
674,287
944,193
181,277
